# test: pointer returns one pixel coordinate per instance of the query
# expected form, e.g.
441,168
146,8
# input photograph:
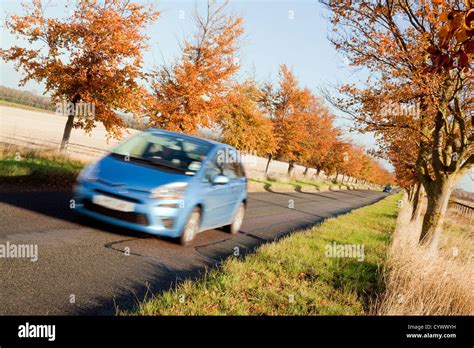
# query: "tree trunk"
67,132
306,171
438,193
318,171
291,168
417,202
268,164
69,123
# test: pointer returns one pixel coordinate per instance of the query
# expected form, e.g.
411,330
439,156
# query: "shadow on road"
56,204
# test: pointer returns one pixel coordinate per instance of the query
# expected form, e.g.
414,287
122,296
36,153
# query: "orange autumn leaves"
455,44
190,92
419,57
93,55
285,122
244,125
304,133
419,54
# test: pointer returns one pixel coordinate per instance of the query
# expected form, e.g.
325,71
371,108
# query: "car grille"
136,218
114,195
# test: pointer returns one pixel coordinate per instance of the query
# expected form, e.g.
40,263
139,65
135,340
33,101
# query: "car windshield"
168,151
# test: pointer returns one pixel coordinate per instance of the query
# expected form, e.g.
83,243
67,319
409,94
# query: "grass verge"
293,276
20,165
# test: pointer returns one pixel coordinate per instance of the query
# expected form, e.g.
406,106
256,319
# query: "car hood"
134,175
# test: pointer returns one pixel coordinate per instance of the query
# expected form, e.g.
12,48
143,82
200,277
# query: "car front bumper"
156,217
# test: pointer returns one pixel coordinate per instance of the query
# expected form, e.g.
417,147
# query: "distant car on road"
166,184
387,189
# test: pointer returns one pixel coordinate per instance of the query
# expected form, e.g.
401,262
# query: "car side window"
212,170
229,171
242,170
232,164
239,169
225,162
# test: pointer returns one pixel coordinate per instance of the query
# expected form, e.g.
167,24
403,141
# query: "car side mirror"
220,180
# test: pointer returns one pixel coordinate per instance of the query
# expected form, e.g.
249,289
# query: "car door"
217,199
237,181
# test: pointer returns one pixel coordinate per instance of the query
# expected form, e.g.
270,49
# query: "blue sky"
276,32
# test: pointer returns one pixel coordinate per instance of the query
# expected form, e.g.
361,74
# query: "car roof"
203,140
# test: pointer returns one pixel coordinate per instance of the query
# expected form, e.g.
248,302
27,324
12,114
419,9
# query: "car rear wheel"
191,228
234,227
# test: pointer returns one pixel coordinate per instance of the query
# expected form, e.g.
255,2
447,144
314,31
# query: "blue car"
166,184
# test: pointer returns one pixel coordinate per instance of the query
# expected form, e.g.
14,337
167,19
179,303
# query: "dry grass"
420,283
51,154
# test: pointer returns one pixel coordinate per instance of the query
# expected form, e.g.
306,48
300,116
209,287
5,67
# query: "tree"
92,56
191,92
287,107
337,154
398,149
419,54
372,172
353,162
320,133
243,124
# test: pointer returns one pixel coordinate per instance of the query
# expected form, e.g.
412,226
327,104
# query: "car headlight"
88,173
174,190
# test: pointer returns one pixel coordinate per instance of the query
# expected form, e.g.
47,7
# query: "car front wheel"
191,228
234,227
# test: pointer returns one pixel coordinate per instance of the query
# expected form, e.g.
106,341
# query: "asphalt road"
85,267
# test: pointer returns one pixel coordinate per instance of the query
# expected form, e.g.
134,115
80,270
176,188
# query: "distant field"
21,125
25,107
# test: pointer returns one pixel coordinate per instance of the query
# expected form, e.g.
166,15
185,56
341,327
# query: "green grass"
25,107
25,166
293,276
